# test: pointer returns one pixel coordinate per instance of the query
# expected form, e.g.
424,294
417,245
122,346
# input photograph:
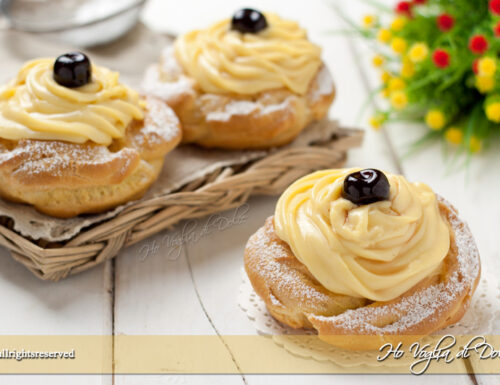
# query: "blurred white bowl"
82,23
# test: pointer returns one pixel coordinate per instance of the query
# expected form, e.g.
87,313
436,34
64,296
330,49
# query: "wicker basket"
225,188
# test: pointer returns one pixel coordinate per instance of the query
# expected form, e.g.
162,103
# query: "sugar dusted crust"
65,179
294,297
267,119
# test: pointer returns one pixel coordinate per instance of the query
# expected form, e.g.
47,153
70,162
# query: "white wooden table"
196,293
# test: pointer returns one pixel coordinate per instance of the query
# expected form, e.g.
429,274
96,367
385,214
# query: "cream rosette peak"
223,60
376,251
34,106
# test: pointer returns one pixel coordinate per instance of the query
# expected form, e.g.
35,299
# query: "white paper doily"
478,320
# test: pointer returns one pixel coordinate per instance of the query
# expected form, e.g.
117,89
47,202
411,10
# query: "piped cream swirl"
222,60
376,251
34,106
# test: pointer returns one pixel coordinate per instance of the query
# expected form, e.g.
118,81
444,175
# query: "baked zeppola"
74,140
364,258
255,81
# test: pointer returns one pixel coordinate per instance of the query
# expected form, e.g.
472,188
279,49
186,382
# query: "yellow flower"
396,84
399,100
435,119
385,93
378,60
369,21
407,69
493,112
398,45
384,35
454,135
418,52
376,121
475,144
487,66
398,23
485,83
385,77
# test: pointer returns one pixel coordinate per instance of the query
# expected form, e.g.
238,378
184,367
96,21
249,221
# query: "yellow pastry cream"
223,60
35,106
375,251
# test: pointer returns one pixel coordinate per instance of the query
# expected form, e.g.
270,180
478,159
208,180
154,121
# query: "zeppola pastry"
251,82
364,258
74,140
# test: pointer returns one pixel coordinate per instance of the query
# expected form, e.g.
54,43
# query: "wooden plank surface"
79,305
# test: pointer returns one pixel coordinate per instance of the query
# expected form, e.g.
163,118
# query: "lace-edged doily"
478,320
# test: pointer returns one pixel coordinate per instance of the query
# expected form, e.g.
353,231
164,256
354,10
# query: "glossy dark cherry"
248,20
72,69
366,186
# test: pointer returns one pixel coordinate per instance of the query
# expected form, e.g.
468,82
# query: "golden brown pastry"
363,259
74,140
251,82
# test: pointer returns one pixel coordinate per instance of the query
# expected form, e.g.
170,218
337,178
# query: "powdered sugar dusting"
238,107
325,84
271,108
271,270
170,68
54,158
161,124
245,108
167,80
424,304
